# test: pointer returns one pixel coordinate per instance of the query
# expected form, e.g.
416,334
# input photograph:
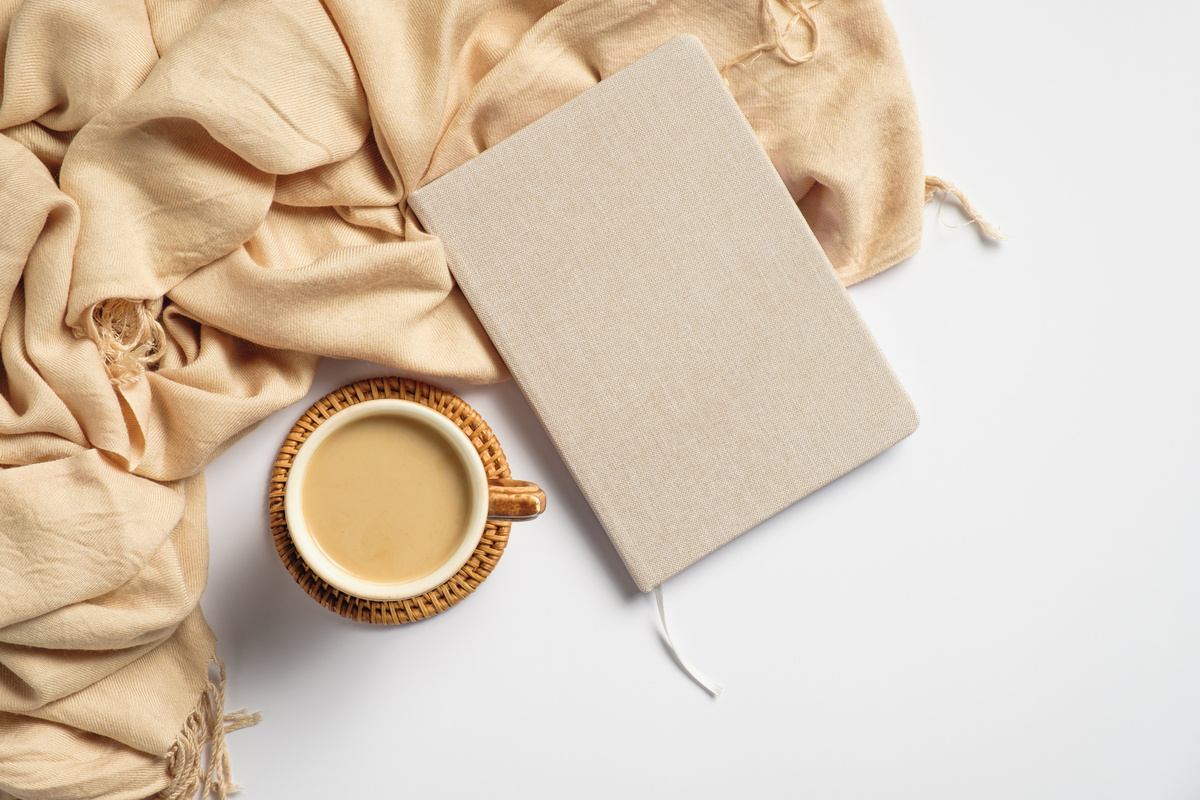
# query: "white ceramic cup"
497,495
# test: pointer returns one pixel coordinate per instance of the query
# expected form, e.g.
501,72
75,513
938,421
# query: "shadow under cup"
387,499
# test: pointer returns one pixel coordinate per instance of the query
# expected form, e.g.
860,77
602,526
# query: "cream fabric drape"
240,170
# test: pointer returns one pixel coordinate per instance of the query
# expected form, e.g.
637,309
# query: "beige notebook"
666,310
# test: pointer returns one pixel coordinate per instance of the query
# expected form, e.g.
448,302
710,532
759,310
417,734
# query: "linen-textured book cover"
666,310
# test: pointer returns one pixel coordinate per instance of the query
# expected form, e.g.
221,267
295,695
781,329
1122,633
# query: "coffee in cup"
387,499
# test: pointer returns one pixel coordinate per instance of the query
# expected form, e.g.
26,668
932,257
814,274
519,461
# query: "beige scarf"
199,199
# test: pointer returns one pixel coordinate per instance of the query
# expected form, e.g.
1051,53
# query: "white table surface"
1006,605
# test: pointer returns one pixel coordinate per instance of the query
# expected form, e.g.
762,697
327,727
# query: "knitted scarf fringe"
206,725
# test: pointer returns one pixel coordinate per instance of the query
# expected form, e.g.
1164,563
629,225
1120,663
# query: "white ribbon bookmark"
710,686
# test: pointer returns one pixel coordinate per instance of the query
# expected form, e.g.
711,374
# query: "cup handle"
511,501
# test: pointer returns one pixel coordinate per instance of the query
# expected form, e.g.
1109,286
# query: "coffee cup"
387,499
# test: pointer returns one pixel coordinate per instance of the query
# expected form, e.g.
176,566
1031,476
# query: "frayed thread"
128,335
934,185
206,725
780,36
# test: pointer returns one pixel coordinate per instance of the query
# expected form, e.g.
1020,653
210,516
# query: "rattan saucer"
467,579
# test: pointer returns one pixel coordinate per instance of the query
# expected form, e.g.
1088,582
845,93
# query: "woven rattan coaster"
467,579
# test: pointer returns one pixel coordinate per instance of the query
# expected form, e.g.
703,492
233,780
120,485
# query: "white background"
1006,605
